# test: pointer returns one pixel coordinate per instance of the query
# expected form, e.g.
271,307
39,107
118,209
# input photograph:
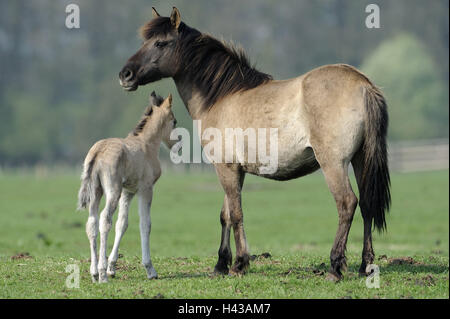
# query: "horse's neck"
192,99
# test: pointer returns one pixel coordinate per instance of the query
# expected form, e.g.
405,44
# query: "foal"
121,168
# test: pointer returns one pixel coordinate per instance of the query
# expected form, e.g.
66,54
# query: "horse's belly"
300,163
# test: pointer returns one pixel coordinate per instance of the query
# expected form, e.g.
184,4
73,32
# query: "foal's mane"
157,100
215,67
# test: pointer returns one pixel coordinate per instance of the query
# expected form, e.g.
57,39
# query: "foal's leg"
92,232
121,227
145,201
232,178
225,256
112,198
367,254
336,176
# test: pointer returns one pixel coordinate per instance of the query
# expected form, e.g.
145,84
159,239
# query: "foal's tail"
84,194
375,196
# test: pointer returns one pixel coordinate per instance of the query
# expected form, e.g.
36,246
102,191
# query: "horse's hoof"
238,270
332,277
220,271
362,273
241,265
233,273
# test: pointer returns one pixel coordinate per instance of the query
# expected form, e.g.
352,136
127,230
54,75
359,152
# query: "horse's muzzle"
127,79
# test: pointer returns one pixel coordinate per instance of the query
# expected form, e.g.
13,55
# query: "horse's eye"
160,44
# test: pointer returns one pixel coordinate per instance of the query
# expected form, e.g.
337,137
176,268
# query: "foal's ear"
153,99
175,18
155,13
168,102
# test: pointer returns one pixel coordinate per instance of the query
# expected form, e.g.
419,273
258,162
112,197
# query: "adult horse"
327,118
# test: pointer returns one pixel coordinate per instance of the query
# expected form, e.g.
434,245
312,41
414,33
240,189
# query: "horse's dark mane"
216,68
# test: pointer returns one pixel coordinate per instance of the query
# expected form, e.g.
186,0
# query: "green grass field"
294,221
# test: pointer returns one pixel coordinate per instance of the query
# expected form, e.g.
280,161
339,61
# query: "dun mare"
121,168
327,118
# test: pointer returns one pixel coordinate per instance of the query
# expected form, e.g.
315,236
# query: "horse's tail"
375,196
84,194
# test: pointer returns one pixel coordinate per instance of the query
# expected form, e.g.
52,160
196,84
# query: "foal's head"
158,118
157,57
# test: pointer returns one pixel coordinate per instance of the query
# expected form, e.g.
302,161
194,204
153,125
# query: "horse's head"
157,58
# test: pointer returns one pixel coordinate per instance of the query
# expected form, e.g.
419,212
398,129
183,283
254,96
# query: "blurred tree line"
59,88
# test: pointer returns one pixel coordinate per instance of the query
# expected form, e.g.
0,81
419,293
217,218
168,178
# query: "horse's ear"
155,13
175,18
168,101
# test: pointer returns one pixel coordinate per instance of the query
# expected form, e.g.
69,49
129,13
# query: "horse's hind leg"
121,227
367,253
92,232
112,198
225,256
336,175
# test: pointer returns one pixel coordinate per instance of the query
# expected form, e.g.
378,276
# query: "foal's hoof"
94,278
153,276
111,271
151,273
333,277
102,278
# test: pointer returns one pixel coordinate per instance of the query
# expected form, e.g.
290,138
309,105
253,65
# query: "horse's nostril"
128,74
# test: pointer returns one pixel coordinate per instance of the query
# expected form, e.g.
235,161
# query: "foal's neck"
150,142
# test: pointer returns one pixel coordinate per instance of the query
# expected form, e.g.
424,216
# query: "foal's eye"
160,44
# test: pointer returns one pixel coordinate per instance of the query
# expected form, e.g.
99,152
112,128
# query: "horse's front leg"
145,225
232,178
225,255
